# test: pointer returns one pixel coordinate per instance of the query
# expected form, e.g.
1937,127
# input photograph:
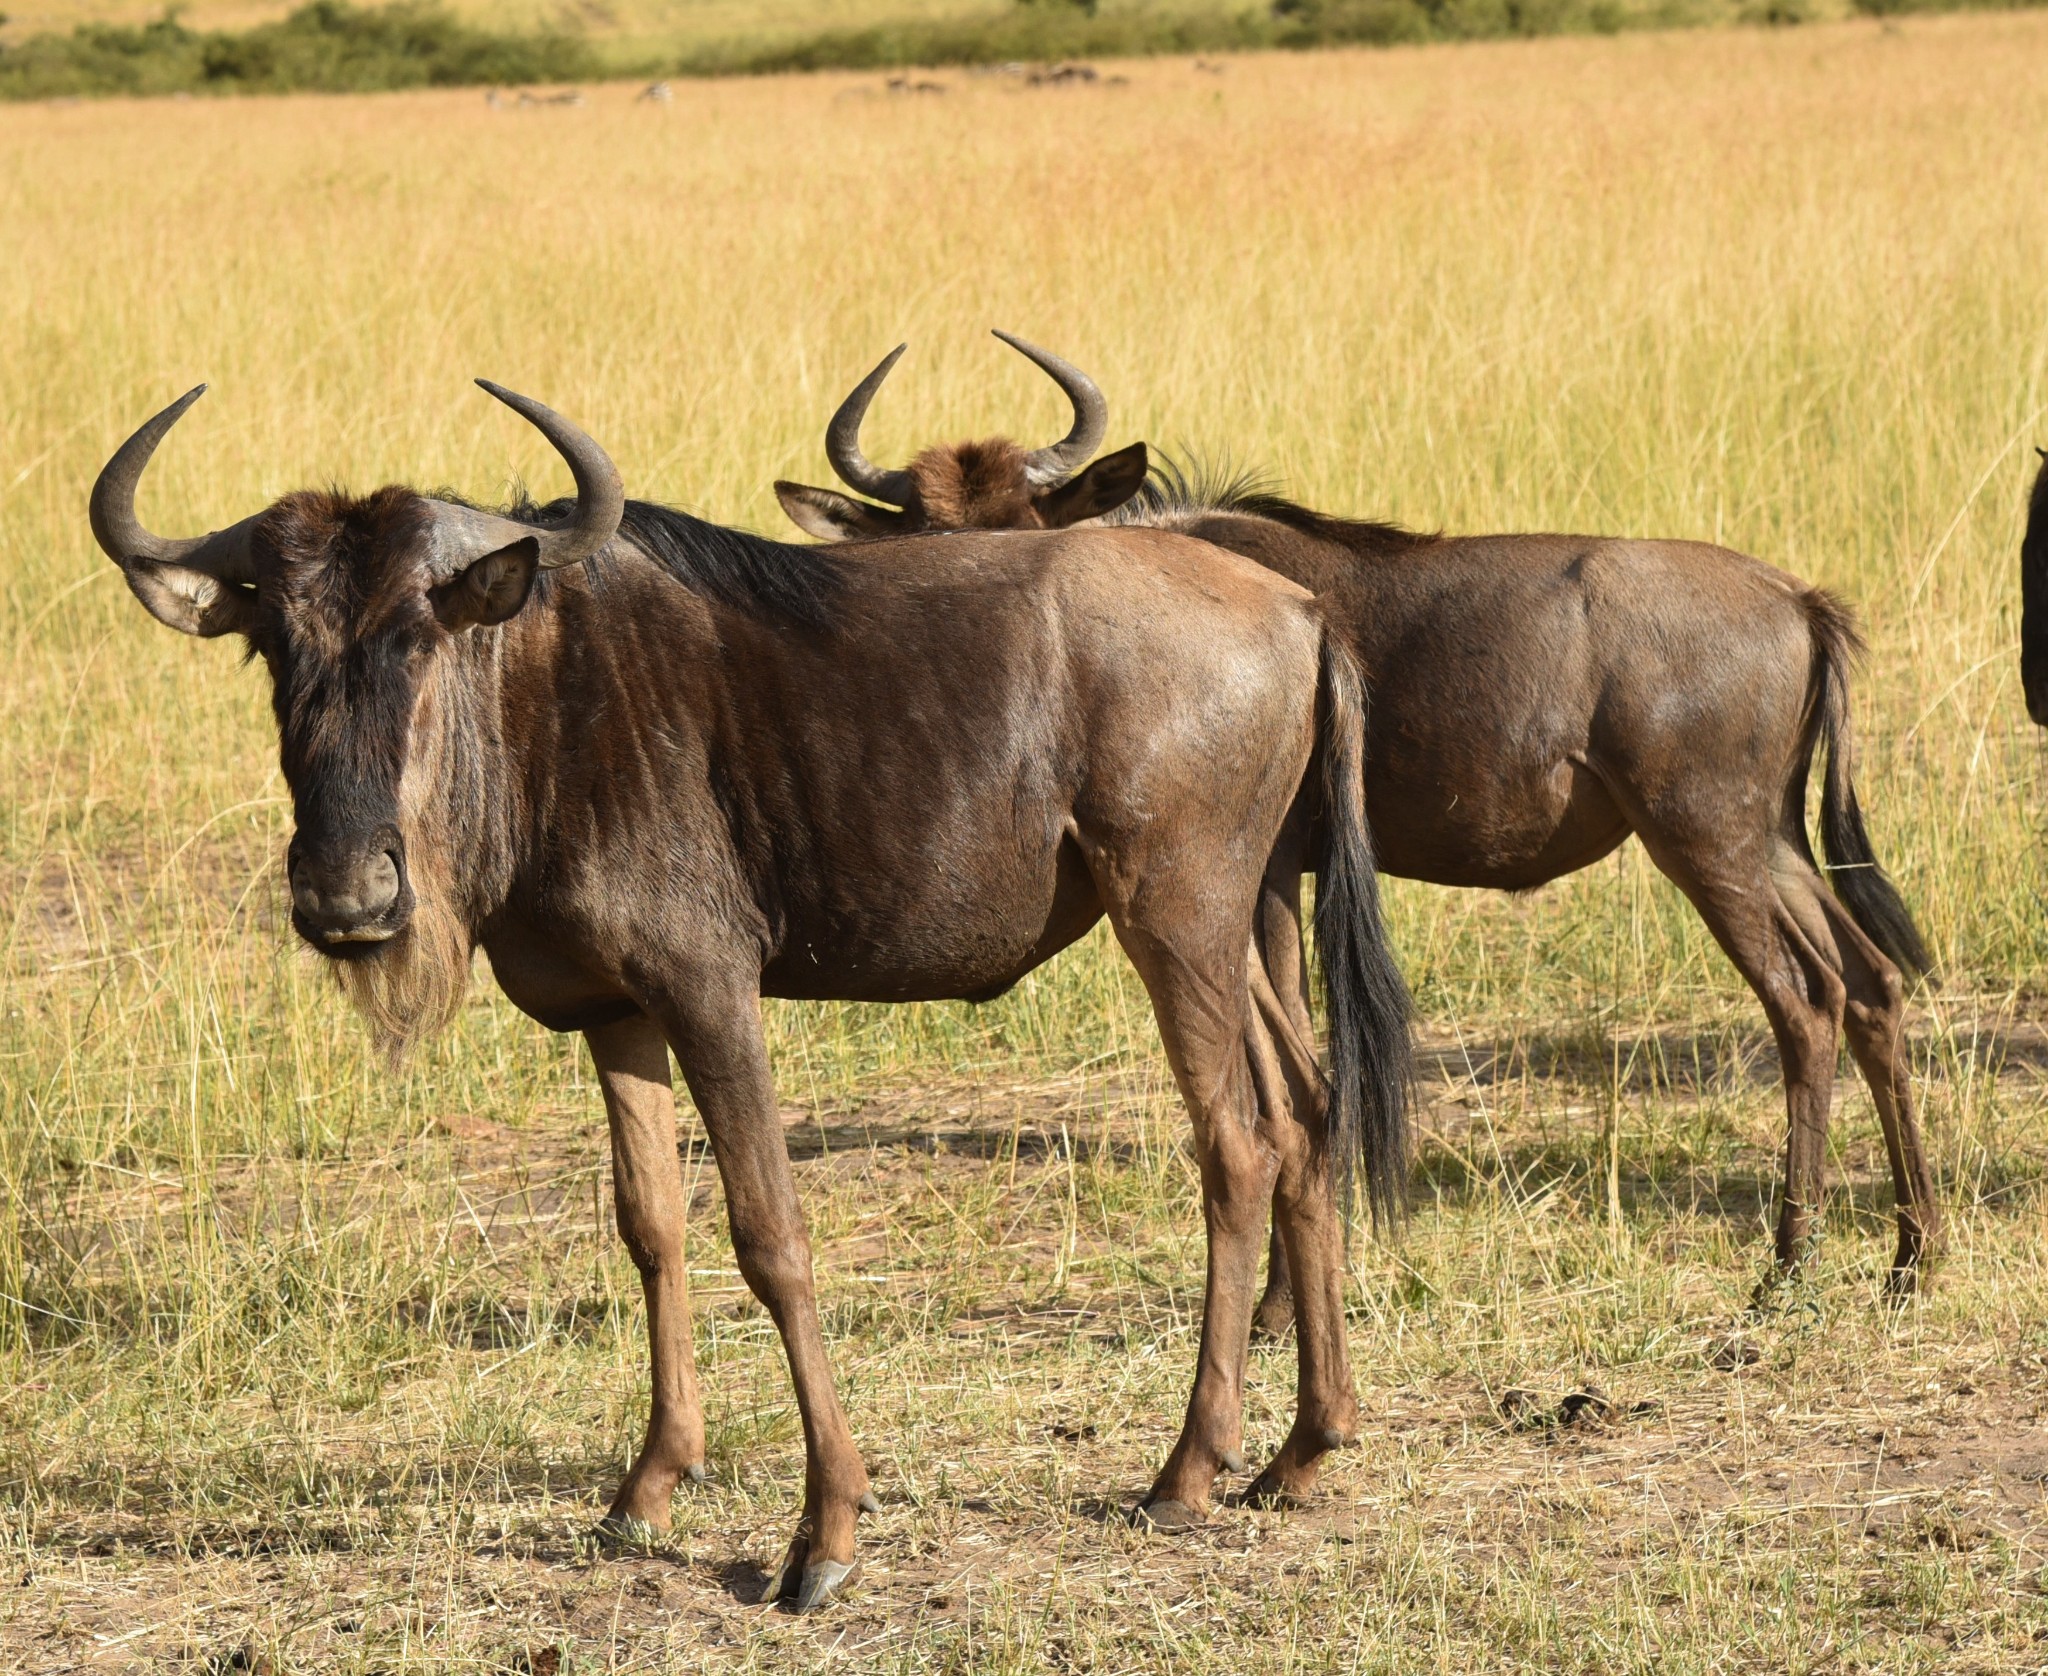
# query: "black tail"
1371,1067
1871,898
2034,600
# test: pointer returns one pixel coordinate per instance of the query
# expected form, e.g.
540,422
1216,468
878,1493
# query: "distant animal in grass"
1534,700
658,769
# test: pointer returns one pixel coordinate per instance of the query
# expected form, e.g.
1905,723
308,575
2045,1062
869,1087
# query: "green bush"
1035,33
328,46
1309,23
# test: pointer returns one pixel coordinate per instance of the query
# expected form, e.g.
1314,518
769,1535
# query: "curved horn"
842,443
224,553
600,496
1047,466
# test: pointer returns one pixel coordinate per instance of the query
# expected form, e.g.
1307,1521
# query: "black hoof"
824,1583
614,1531
808,1586
1165,1516
1268,1492
1908,1278
1767,1297
1273,1320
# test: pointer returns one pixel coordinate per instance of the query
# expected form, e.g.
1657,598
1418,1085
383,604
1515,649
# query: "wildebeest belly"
1478,766
1534,819
934,930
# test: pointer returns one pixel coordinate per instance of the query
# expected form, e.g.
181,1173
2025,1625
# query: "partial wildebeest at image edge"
1520,730
656,770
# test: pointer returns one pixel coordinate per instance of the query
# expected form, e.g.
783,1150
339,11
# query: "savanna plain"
307,1363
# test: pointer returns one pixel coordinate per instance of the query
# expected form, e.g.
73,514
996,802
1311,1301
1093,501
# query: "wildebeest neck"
770,579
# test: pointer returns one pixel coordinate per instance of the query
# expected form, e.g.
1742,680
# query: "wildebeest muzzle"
349,889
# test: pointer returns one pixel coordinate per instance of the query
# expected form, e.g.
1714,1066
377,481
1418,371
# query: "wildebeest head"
354,604
992,485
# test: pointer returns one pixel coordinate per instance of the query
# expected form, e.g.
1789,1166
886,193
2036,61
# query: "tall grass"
1787,294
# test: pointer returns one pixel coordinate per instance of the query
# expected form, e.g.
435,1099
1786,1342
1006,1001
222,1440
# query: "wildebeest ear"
188,600
831,516
489,589
1103,487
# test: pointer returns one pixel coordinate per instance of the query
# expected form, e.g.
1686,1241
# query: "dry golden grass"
280,1361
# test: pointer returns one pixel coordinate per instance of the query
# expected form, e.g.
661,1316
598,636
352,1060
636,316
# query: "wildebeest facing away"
2034,600
1537,698
658,769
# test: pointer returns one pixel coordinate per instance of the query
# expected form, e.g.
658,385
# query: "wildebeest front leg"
725,1061
632,1067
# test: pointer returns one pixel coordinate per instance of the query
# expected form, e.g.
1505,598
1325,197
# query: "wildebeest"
992,485
2034,600
658,769
1537,698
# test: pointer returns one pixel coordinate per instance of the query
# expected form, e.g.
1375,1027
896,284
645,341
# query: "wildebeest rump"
658,769
1536,698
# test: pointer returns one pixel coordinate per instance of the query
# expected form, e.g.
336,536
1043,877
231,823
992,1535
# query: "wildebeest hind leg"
1286,966
716,1031
1200,1000
1875,1021
1274,1317
1294,1101
1802,995
632,1068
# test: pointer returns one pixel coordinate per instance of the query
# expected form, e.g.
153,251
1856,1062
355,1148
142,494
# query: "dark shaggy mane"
749,573
1174,493
1174,489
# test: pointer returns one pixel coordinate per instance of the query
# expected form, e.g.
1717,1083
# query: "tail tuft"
1371,1056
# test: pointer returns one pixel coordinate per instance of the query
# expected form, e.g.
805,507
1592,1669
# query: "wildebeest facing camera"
595,742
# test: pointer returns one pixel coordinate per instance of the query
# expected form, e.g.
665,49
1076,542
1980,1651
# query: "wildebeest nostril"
340,896
380,882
